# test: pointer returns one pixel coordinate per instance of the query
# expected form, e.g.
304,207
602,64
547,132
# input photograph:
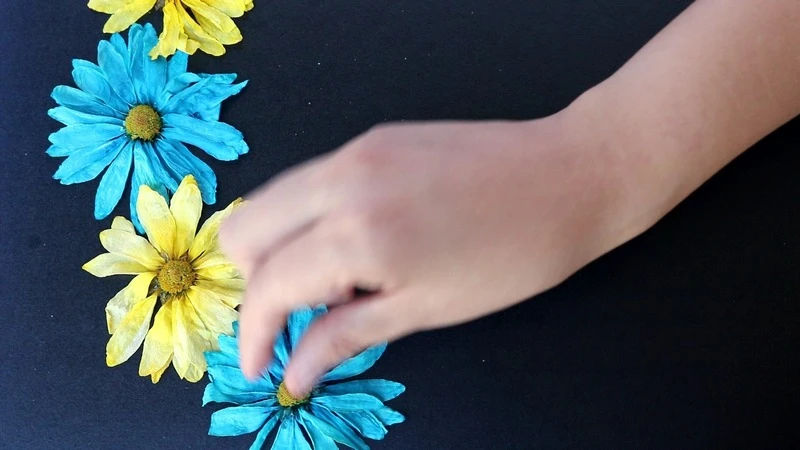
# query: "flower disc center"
176,276
287,400
143,122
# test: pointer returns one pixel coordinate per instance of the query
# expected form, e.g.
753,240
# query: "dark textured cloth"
686,337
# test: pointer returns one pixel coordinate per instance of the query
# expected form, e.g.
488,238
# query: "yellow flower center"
176,276
143,122
287,400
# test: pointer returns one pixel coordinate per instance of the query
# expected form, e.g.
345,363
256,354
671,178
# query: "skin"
442,223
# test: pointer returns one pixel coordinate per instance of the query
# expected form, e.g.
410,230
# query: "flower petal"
115,70
365,423
156,165
110,264
177,64
290,436
190,340
214,22
206,238
212,394
132,246
383,390
119,306
180,163
231,381
319,440
87,163
297,324
218,139
121,223
112,185
69,116
336,428
127,15
237,420
202,99
157,220
150,75
355,365
86,135
196,33
258,443
217,317
90,78
388,416
83,102
228,291
347,402
232,8
131,332
107,6
157,351
186,206
142,175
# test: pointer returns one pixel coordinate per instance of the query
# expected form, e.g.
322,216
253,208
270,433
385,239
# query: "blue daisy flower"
131,110
335,411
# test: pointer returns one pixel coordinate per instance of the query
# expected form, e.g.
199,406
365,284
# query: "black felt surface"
685,338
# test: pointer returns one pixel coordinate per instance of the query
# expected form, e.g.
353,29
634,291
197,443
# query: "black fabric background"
686,337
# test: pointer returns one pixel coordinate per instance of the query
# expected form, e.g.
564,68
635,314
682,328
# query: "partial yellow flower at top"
186,273
189,25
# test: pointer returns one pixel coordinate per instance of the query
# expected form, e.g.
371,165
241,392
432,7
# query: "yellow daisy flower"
186,273
189,25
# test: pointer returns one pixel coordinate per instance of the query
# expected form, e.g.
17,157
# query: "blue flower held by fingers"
131,110
334,411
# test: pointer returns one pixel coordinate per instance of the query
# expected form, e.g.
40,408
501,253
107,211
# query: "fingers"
322,265
273,212
342,333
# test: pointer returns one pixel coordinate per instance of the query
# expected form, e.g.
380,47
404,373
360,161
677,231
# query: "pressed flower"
189,25
129,110
335,411
185,274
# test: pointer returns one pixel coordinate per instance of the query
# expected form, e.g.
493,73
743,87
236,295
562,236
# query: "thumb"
344,332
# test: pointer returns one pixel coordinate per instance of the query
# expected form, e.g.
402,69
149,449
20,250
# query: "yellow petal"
131,332
214,22
216,315
186,206
248,5
190,340
195,32
232,8
127,15
119,306
215,266
110,264
229,292
157,220
131,246
121,223
107,6
206,239
169,39
157,351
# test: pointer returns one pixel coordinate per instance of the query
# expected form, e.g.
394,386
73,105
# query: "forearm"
719,78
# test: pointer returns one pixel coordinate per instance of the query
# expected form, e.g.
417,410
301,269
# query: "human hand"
440,222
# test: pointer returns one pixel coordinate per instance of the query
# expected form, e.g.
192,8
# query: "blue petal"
204,99
237,420
388,416
298,322
218,139
333,426
149,76
161,173
230,380
319,440
113,183
90,78
173,86
365,423
72,117
383,390
355,365
181,162
86,164
214,394
347,402
228,354
281,354
116,72
81,101
177,64
142,174
56,151
265,430
86,135
289,436
119,44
